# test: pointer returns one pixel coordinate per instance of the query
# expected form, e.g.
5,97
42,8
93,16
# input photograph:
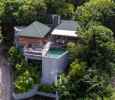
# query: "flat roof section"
68,25
66,28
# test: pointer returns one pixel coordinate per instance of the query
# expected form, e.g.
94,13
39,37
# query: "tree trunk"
8,33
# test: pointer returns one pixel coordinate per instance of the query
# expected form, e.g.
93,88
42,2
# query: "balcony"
36,52
33,53
58,43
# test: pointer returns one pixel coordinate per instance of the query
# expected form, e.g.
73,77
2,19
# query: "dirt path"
5,79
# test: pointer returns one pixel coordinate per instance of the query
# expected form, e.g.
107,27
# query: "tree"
67,11
80,2
53,5
30,10
15,12
64,8
97,10
90,73
25,75
89,77
101,48
8,21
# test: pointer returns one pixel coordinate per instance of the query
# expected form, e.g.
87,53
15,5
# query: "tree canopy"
92,58
97,10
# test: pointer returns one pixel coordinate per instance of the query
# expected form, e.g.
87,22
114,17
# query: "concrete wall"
52,66
30,93
49,70
62,62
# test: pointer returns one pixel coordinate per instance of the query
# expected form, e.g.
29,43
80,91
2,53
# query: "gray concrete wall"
49,70
32,92
28,94
62,62
52,66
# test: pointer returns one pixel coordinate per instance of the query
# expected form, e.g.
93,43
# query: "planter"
28,94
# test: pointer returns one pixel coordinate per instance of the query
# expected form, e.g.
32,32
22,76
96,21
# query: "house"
40,42
32,39
65,32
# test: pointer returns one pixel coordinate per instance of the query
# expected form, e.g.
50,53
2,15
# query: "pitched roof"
66,28
36,29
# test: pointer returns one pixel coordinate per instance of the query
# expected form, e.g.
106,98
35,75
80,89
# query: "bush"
15,56
26,77
47,88
25,74
24,82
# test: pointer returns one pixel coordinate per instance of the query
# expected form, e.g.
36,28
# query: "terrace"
33,53
36,51
61,41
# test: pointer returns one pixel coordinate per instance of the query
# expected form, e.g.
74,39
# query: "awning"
64,33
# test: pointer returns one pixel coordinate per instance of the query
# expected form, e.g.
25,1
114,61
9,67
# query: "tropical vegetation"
25,75
92,58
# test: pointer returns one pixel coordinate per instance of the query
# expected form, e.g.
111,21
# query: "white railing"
33,53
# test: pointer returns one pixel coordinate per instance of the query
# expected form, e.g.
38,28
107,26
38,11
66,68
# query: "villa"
41,42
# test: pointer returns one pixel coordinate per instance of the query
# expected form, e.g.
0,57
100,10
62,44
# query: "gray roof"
68,25
36,29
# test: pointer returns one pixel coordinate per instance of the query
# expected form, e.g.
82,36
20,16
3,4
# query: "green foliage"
24,82
93,56
8,8
89,87
62,7
15,56
72,48
26,11
29,11
67,11
100,52
53,5
77,69
47,88
97,10
25,75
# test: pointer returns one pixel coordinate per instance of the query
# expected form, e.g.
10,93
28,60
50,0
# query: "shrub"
25,74
24,82
47,88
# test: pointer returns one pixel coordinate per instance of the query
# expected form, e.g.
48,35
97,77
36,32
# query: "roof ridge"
35,26
35,29
41,23
36,23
